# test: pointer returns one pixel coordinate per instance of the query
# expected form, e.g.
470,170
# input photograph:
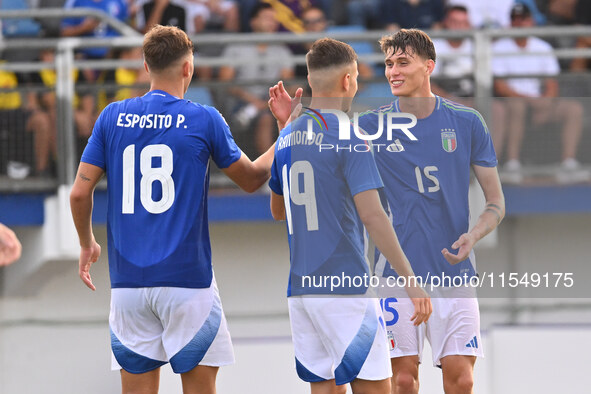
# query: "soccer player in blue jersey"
426,175
325,190
155,150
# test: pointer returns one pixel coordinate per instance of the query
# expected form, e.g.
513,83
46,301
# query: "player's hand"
281,104
465,244
88,256
422,303
10,247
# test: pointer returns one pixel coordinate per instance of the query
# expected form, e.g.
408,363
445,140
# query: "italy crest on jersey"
448,140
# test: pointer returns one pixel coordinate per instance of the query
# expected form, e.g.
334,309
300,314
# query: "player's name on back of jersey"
150,121
299,137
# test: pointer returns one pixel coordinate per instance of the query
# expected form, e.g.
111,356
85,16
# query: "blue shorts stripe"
358,349
191,355
305,374
129,360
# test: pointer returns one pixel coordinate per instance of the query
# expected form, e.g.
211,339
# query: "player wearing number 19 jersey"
426,182
322,186
155,150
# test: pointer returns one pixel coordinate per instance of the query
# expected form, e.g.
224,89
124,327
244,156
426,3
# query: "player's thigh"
327,387
361,386
404,338
352,330
195,328
454,327
199,380
135,332
314,363
143,383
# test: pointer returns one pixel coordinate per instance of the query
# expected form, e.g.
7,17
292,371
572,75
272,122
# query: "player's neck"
327,101
173,88
420,106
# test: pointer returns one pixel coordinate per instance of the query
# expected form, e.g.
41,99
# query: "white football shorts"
452,329
341,338
151,326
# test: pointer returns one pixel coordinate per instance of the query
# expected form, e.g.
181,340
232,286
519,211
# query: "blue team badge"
448,140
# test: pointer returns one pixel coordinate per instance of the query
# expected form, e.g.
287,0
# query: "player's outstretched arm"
381,231
251,175
494,212
282,105
81,201
10,247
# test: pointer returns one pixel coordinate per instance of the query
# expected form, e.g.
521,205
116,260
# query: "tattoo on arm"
494,210
492,205
84,177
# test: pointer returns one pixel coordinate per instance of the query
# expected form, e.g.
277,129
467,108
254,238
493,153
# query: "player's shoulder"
373,113
460,112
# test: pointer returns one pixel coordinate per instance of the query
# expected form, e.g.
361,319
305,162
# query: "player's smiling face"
408,74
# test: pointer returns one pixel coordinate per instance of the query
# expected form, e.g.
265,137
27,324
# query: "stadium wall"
54,334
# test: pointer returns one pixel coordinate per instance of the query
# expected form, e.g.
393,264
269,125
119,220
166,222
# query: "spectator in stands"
288,12
216,16
44,110
315,21
406,14
250,102
495,14
91,27
15,158
454,70
535,95
364,13
583,17
125,77
454,58
167,13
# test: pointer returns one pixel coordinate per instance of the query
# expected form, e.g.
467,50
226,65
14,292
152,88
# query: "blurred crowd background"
538,120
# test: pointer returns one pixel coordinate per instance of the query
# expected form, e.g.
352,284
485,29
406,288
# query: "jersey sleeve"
223,148
482,152
359,167
94,153
275,180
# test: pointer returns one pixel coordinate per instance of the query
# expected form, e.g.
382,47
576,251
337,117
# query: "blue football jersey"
426,182
318,182
155,150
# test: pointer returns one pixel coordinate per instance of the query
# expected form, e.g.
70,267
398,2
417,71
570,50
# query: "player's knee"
463,384
405,382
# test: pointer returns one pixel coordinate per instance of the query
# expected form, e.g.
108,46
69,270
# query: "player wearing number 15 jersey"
323,187
155,151
426,181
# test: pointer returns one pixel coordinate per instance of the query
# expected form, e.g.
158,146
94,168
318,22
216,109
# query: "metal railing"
65,61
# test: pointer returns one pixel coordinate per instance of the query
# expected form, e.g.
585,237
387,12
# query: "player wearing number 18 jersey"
323,186
155,151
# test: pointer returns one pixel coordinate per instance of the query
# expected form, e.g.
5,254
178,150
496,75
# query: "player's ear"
346,82
430,66
146,67
187,70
